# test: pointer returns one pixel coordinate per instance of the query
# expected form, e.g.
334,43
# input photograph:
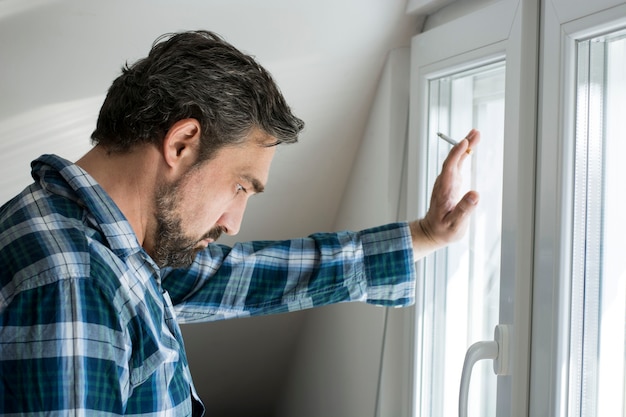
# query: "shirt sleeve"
374,265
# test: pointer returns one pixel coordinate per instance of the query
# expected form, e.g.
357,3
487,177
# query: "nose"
231,219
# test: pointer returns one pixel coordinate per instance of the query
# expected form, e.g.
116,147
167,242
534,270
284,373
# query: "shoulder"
43,238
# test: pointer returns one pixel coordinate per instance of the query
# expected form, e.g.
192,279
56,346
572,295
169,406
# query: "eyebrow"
257,186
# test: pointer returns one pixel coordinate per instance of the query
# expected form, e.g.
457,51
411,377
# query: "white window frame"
563,24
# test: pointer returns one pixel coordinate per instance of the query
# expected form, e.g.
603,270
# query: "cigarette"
447,138
452,141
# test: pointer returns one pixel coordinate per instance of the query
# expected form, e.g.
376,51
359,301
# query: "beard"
172,247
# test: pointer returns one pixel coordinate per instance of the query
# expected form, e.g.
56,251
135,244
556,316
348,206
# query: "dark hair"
193,75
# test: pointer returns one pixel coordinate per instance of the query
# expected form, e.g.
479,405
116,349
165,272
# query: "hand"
447,218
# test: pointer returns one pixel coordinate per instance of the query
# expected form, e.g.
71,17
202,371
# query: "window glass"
597,335
459,298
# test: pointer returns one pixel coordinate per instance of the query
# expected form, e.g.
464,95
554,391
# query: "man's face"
210,199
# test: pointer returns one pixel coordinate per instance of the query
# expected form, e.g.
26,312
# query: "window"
556,231
463,73
579,295
460,296
598,289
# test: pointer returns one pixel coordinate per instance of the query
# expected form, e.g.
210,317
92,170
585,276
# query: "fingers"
447,218
449,181
473,138
467,145
448,215
462,150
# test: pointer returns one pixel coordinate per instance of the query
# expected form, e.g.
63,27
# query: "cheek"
202,206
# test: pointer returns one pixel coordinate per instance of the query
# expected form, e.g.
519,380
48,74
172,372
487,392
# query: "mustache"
214,233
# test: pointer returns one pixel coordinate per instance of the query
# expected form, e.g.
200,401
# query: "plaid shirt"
89,325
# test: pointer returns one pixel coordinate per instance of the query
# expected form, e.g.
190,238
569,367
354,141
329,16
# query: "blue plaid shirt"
89,325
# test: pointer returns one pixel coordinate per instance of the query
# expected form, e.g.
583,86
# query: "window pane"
460,293
597,346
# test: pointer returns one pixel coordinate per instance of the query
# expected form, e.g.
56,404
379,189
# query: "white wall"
336,369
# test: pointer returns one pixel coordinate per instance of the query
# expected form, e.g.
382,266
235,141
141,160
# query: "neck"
130,180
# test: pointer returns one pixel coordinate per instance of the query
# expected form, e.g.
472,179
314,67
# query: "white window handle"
497,349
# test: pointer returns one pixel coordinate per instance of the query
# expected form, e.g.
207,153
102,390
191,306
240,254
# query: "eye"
240,187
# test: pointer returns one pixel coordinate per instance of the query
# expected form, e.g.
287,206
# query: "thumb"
465,206
457,218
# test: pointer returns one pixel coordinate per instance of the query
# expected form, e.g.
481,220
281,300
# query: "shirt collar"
64,178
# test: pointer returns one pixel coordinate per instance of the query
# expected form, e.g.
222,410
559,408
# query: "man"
102,259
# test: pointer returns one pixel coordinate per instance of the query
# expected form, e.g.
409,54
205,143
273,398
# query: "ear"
181,144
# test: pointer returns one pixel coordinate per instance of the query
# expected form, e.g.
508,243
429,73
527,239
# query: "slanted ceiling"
58,57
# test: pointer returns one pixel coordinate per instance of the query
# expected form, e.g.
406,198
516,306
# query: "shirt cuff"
389,265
